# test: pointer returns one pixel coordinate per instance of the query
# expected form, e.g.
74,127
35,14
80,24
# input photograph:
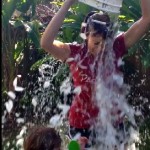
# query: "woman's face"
95,43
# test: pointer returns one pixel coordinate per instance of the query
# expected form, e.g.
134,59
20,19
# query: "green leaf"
131,8
36,65
34,33
122,17
69,20
18,23
18,49
8,9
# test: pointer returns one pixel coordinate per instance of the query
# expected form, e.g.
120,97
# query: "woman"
83,111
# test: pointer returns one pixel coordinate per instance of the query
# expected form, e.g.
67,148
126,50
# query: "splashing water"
115,125
115,113
110,94
45,95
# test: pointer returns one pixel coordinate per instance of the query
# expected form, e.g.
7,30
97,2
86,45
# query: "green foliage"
130,13
71,27
34,33
8,8
11,144
38,63
19,31
131,9
145,135
62,73
144,46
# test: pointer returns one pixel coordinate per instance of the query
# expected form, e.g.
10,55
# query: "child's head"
97,23
42,138
96,28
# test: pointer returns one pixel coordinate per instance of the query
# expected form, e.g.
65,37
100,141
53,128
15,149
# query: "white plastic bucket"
112,6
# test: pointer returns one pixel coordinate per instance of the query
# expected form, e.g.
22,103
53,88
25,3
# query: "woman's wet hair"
42,138
98,23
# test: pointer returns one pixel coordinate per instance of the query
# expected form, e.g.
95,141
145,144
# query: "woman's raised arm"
140,27
48,43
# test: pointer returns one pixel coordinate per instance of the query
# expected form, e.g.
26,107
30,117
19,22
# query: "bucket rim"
114,5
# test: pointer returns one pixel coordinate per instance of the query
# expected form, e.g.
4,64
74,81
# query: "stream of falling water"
112,127
110,95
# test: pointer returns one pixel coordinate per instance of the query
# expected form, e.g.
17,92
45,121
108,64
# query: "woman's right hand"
56,48
82,142
71,1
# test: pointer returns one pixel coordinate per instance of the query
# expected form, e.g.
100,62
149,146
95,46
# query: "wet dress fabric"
83,66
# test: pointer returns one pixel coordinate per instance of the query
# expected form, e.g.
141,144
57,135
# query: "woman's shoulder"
119,41
119,37
75,45
77,50
119,45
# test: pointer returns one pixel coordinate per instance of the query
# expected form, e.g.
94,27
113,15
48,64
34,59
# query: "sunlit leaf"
122,16
69,20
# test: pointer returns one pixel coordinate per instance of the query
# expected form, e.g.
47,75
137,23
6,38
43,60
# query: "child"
83,111
42,138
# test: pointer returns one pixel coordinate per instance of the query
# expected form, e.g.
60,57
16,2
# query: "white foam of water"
20,142
44,94
22,132
138,113
9,105
11,94
34,101
17,114
19,89
118,79
39,79
55,120
19,75
134,135
20,137
3,119
47,109
111,98
46,84
8,143
66,87
64,108
15,82
77,136
81,66
20,120
120,62
70,59
77,90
